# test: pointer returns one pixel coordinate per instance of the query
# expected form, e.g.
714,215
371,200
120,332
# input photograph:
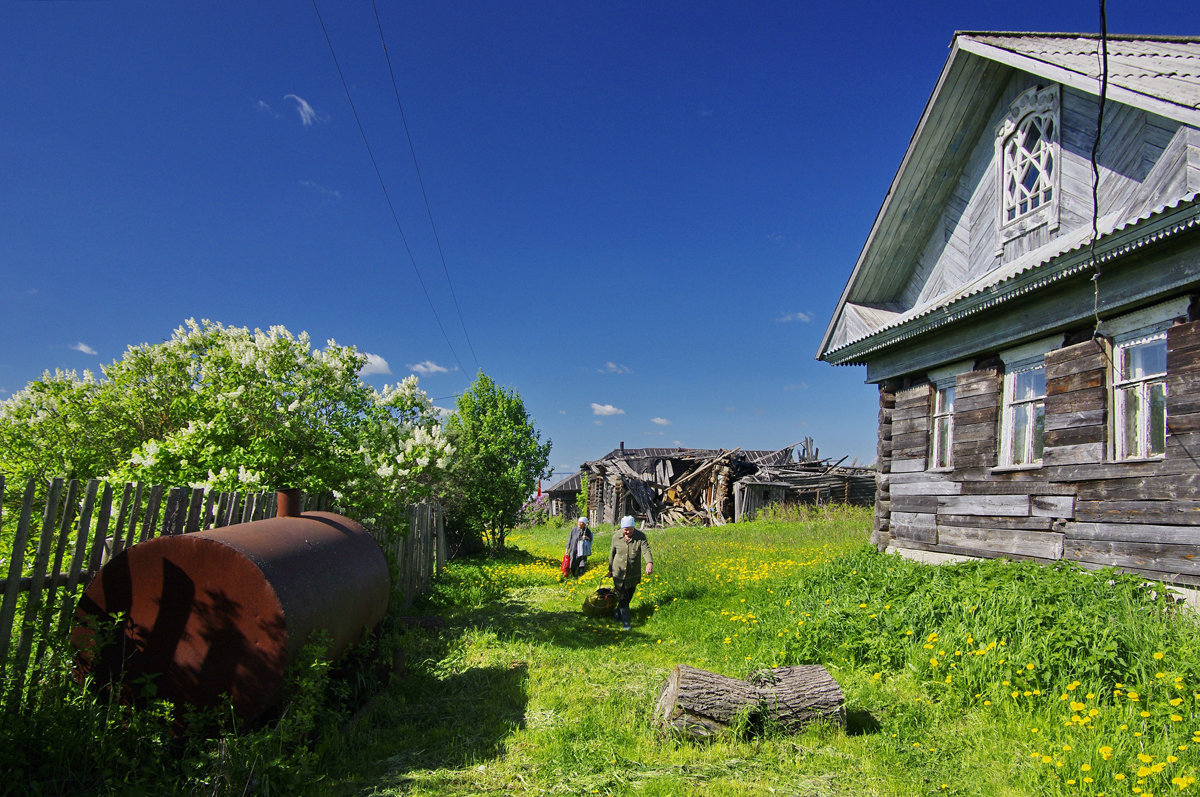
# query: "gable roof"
571,484
1159,74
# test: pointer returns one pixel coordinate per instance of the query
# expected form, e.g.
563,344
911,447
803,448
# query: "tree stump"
699,704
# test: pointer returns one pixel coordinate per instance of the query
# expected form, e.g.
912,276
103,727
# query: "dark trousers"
624,594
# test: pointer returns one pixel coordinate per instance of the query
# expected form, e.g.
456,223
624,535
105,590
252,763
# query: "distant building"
561,497
671,486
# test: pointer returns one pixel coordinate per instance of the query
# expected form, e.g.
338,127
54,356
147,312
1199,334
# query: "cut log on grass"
700,704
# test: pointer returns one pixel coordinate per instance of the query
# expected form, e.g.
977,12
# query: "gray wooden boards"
698,704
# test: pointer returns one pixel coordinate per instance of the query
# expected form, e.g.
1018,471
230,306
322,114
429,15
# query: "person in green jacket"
629,546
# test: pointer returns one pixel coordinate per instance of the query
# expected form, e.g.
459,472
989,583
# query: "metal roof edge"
1184,215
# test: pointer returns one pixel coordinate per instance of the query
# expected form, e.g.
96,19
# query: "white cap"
583,520
627,522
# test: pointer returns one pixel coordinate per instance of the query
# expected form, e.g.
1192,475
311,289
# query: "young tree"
498,459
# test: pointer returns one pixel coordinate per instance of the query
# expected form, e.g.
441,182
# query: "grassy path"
988,679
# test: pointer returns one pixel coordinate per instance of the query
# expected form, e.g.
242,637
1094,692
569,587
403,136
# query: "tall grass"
984,678
979,678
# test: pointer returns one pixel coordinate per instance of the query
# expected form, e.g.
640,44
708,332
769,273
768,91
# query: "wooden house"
562,495
1026,304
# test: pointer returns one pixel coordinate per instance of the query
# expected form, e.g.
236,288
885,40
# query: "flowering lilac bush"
225,408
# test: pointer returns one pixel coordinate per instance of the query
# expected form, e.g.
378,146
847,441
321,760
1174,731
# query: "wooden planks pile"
669,487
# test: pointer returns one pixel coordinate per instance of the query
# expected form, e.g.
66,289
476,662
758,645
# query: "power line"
383,185
421,183
1103,58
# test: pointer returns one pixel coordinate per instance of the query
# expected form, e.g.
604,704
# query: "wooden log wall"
1142,516
881,532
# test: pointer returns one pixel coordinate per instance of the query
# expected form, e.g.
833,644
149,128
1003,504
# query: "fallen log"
699,704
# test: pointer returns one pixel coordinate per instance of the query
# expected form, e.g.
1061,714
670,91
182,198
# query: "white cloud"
805,317
265,108
83,347
730,408
562,412
429,367
307,114
375,365
320,189
615,368
606,409
598,423
660,421
442,412
800,386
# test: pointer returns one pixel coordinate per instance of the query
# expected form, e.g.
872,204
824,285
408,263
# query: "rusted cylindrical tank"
225,611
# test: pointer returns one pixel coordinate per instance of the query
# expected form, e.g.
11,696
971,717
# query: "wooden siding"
1142,516
963,245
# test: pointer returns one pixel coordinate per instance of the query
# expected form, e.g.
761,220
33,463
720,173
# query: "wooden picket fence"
83,525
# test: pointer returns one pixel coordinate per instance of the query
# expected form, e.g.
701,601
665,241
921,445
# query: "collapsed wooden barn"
712,487
814,482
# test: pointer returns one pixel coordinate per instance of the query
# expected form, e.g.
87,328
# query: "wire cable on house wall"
1103,58
421,183
383,185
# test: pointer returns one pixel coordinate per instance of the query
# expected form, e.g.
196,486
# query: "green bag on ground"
601,603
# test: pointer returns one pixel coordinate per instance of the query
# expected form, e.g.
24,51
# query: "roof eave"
901,172
1063,266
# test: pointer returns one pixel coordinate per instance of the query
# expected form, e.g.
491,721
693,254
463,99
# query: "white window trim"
1122,451
1036,101
942,378
1017,360
1147,324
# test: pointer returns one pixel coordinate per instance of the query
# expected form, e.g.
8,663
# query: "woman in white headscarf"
579,547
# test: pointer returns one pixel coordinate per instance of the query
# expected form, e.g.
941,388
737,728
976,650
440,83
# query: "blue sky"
647,211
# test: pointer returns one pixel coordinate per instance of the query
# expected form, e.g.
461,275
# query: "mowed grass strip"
988,678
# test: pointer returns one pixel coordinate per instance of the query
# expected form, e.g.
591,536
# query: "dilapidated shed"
672,486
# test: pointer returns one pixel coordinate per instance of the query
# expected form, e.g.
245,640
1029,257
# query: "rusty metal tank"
225,611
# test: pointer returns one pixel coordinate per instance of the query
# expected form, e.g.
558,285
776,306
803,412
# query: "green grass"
986,678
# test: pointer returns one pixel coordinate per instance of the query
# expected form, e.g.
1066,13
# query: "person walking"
629,547
579,547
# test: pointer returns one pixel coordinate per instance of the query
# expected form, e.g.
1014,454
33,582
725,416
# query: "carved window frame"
1028,360
1132,396
1140,398
941,415
1021,207
1023,414
941,428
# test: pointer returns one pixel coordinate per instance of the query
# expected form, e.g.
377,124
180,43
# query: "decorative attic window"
1027,153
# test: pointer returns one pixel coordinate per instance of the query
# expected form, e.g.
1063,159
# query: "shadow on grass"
860,722
448,722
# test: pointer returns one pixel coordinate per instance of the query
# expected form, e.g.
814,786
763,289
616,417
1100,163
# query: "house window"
1023,417
941,431
1027,150
1140,397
